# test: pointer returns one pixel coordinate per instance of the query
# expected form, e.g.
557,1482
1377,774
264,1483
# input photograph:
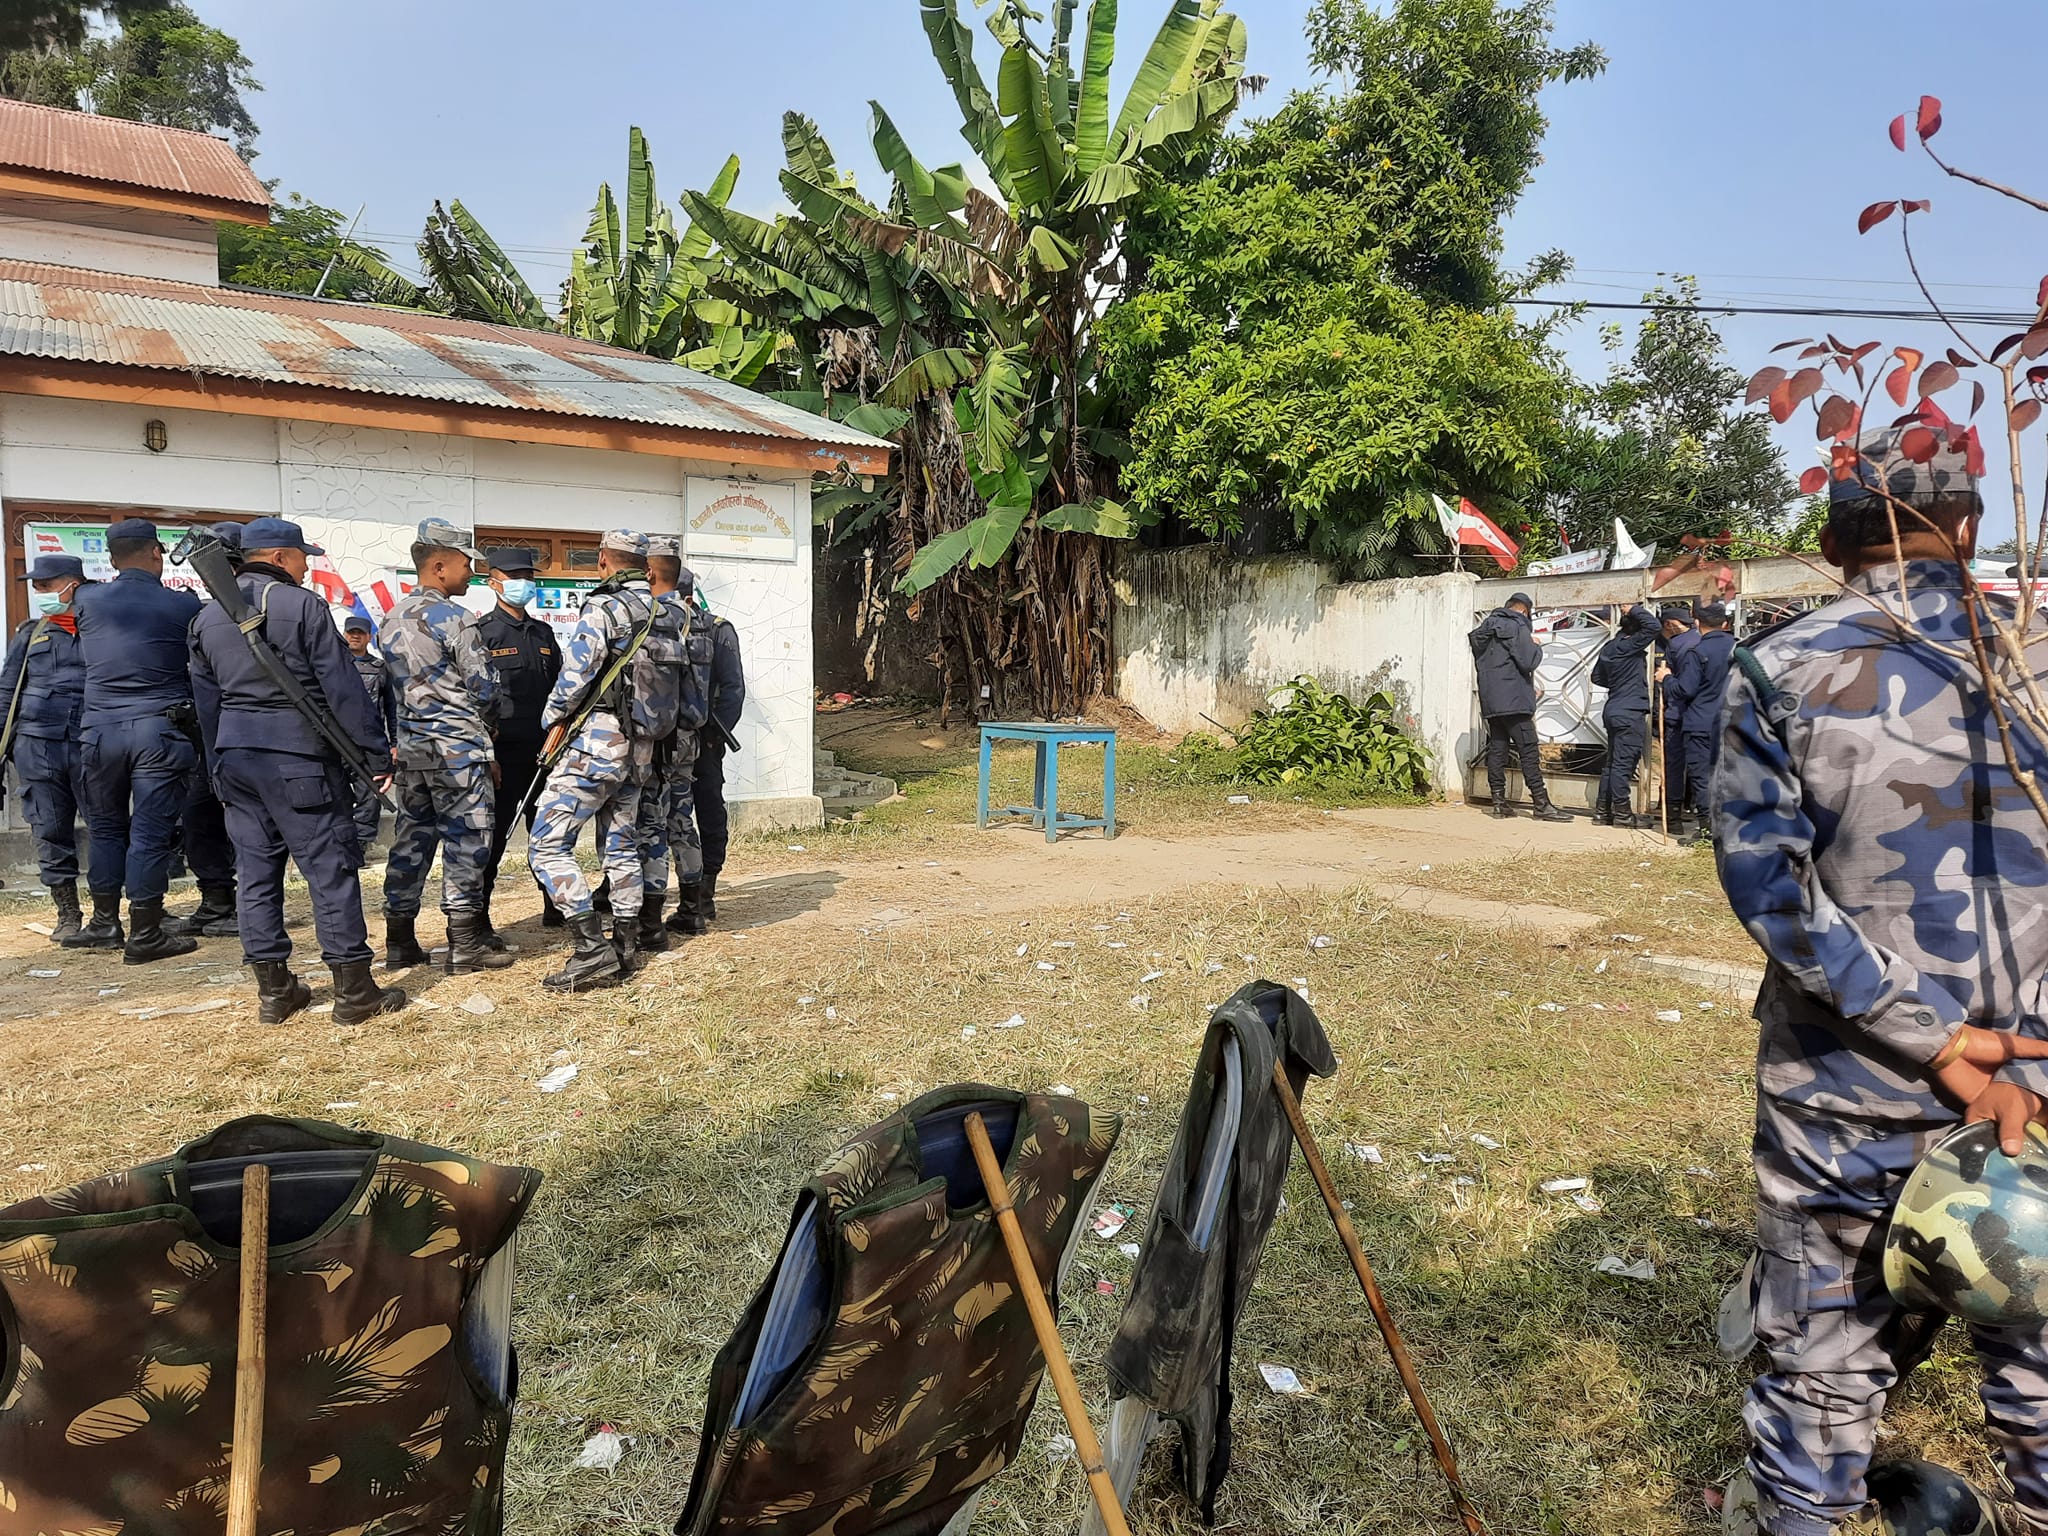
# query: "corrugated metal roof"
125,154
94,317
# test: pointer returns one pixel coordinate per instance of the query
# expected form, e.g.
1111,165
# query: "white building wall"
185,250
363,491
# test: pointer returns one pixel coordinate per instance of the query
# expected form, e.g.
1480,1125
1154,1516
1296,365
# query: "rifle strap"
42,628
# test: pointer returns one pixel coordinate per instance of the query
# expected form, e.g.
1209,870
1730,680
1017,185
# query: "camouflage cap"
443,534
673,548
1969,1236
625,541
1882,454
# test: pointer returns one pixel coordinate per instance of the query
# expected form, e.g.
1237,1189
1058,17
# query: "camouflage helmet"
1970,1234
1919,1498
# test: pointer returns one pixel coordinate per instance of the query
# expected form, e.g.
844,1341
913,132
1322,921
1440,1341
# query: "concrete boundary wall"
1200,632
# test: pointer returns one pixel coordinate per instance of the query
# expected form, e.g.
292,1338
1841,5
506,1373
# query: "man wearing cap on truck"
41,693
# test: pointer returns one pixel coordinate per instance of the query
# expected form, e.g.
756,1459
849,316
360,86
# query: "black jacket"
1507,654
1702,680
1620,667
527,659
728,679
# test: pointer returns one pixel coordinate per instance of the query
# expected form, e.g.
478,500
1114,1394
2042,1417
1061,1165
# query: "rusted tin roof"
124,154
72,315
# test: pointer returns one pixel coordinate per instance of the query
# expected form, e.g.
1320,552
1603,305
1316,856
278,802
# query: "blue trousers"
281,805
714,826
1701,749
52,788
208,853
138,775
1628,737
1676,779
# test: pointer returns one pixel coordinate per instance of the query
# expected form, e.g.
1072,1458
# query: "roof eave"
25,181
185,390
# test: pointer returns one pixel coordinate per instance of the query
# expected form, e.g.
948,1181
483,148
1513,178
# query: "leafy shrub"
1318,735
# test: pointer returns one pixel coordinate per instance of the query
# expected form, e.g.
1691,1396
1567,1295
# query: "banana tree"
466,274
639,283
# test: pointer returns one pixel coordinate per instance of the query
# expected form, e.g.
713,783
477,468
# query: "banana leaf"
1091,123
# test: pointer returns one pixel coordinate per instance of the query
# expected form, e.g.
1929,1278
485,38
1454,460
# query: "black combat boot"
279,994
1500,808
1603,812
707,898
625,934
688,919
104,931
357,997
401,944
594,964
492,941
213,918
550,914
652,939
467,950
70,921
147,940
1548,810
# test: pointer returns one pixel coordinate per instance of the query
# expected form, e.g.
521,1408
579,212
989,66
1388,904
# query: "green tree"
161,65
58,24
1665,443
291,255
1317,336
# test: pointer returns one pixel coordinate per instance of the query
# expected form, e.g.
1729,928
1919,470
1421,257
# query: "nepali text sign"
88,542
740,519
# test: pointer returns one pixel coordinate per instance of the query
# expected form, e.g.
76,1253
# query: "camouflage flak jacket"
916,1391
118,1316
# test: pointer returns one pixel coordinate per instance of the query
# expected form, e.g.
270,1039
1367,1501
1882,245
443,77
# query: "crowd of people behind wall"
163,724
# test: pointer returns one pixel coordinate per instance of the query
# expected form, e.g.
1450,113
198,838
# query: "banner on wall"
88,541
560,602
740,519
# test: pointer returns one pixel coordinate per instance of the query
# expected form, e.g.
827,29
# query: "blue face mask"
518,591
50,603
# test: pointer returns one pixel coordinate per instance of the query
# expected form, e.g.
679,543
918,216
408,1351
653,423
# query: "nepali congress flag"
1470,526
379,597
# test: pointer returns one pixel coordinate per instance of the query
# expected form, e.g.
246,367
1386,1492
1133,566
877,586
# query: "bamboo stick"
251,1348
1348,1235
1086,1445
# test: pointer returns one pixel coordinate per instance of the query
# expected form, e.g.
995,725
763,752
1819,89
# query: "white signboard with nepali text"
88,541
740,519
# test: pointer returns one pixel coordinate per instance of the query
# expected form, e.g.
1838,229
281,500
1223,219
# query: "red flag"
1477,529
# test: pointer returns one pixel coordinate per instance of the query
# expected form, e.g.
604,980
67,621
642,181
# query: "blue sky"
1736,141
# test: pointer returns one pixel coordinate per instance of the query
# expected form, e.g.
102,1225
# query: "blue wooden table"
1044,810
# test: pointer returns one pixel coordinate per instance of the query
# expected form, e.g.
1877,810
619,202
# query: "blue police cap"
57,568
357,623
132,528
229,534
276,533
513,559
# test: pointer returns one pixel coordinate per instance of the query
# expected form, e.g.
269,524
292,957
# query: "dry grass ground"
711,1087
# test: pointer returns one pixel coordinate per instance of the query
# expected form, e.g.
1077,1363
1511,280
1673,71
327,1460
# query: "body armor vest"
1216,1205
886,1369
118,1308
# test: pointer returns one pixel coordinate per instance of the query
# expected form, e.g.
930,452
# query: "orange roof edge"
74,153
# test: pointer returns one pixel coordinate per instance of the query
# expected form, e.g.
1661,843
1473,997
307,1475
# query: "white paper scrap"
1014,1021
1482,1140
344,1104
1564,1186
1321,941
477,1003
1642,1269
1150,976
1436,1158
1281,1381
1365,1152
603,1450
1670,1016
1128,1250
559,1079
1588,1204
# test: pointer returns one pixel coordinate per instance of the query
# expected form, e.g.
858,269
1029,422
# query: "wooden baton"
1348,1235
1069,1391
251,1348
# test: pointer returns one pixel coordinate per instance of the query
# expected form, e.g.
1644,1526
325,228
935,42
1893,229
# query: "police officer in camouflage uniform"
667,825
358,632
1874,843
447,766
41,693
609,762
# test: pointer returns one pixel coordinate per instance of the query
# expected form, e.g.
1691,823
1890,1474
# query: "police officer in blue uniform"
527,658
284,789
204,839
358,632
714,825
1699,687
41,691
1679,637
138,742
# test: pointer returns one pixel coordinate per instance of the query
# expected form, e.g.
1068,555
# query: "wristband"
1958,1043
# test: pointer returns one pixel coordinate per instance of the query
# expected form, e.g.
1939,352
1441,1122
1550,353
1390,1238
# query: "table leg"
1109,788
1038,783
981,812
1052,791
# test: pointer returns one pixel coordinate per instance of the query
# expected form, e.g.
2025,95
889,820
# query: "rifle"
42,627
557,743
208,558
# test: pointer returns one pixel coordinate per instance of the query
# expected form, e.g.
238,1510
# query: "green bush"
1312,738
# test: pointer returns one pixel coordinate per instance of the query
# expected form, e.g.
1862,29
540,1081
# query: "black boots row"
469,947
1544,809
357,998
602,959
148,936
1607,814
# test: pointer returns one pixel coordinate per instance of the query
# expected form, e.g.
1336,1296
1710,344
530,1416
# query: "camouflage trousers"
668,821
448,808
600,780
1837,1342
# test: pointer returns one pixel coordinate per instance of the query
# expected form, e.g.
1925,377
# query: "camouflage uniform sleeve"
479,677
1764,851
583,659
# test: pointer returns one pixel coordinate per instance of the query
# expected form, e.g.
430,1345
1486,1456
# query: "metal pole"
329,271
1086,1445
1446,1459
251,1348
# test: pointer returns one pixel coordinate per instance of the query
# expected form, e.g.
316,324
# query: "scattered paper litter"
1434,1158
1463,1181
1209,968
1109,1221
1365,1152
1249,959
889,1098
1425,869
1014,1021
478,1004
1503,995
114,991
1699,1173
1483,1140
603,1450
1059,1449
636,1050
42,928
1321,941
1141,1003
1150,976
1600,969
1550,1007
46,975
1564,1186
1144,1098
1670,1016
1281,1381
1588,1204
224,979
1128,1250
831,1013
931,863
345,1104
1628,938
561,1055
1299,983
805,1002
426,1005
559,1079
1047,965
967,1032
1116,944
1062,943
1023,950
326,1007
211,1005
1642,1269
1060,1091
1240,800
33,1168
1105,1287
797,848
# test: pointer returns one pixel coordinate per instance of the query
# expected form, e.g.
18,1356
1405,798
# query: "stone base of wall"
790,813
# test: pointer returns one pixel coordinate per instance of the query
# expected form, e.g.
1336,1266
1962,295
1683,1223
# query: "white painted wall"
182,249
1201,633
362,493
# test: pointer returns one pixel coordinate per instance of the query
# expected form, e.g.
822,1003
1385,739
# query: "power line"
1706,306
